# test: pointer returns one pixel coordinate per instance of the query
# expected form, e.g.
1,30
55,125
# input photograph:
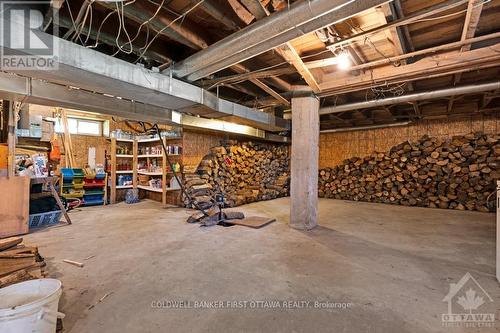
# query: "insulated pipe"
301,18
360,128
471,89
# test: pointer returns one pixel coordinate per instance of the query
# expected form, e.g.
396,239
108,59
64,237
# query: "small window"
82,126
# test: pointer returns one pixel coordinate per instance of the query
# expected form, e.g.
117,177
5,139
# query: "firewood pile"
19,262
244,172
456,173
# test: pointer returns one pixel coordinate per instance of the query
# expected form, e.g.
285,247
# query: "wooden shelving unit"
165,173
115,159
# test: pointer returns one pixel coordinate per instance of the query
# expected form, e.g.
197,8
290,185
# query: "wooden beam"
399,14
428,67
78,19
241,11
153,52
260,12
279,83
215,12
242,69
472,15
270,91
288,52
11,138
403,21
255,7
247,75
181,31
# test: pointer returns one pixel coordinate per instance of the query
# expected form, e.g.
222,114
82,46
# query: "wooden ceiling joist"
289,53
184,33
474,9
210,8
241,11
255,7
242,69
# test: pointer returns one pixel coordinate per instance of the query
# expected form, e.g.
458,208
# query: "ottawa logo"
467,302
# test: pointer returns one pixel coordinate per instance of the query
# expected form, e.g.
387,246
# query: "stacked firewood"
243,172
456,173
19,262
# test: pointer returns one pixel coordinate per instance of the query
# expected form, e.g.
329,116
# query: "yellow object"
4,152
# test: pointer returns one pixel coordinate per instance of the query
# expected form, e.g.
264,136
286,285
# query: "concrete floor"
393,264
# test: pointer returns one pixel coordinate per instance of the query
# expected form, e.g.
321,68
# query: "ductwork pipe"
471,89
301,18
361,128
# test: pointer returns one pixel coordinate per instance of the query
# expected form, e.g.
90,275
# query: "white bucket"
30,306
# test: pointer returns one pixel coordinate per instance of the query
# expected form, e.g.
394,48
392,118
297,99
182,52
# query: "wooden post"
135,162
11,139
164,176
52,183
304,161
112,199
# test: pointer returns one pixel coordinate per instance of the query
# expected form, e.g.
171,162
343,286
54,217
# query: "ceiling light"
343,61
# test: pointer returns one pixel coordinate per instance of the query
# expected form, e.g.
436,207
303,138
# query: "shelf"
148,140
145,156
147,173
124,171
124,156
124,186
149,188
153,189
125,140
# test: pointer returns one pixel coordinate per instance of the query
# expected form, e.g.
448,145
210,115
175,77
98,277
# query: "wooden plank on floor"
253,221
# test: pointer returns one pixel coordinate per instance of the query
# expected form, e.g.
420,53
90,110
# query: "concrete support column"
304,162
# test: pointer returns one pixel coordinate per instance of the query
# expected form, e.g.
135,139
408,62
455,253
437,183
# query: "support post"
112,198
304,160
11,138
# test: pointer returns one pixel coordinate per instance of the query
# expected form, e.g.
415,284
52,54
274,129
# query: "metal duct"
32,91
471,89
360,128
301,18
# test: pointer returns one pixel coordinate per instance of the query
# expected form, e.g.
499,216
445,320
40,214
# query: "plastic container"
30,306
67,174
43,219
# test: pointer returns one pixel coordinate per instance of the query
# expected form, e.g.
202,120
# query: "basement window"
81,126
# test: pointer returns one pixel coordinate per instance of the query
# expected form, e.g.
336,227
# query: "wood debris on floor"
19,262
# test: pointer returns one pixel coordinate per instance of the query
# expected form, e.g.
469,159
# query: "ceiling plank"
255,7
433,10
431,66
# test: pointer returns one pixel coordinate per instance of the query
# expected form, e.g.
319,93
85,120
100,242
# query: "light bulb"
343,61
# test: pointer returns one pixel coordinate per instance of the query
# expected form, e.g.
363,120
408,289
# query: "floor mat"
253,221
